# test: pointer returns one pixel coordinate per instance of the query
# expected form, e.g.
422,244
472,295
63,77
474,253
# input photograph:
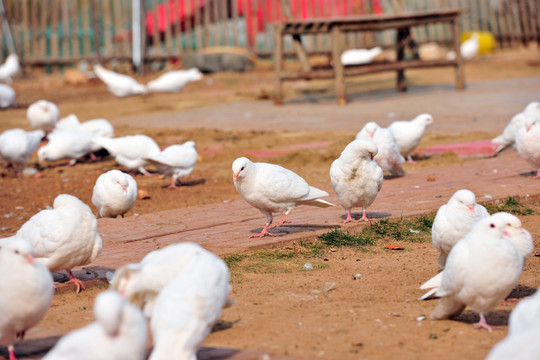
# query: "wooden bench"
336,27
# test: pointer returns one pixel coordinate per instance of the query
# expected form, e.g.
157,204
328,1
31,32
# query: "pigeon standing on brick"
27,290
356,178
409,133
114,194
481,270
388,157
528,142
63,237
453,220
271,188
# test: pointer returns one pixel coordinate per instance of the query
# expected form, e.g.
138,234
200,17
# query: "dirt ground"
280,308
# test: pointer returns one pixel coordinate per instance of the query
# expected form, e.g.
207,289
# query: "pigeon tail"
316,202
446,308
433,282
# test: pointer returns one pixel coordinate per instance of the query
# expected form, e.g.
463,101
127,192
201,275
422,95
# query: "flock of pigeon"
482,255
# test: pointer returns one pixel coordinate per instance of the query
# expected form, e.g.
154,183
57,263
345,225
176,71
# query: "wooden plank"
85,13
178,27
120,45
107,26
206,24
26,27
95,25
215,26
156,41
401,82
75,30
65,28
54,28
524,20
197,27
278,64
235,22
43,31
189,26
168,34
35,29
338,66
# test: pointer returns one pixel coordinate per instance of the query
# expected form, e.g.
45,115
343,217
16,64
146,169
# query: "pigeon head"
20,248
512,223
194,74
363,148
533,108
189,143
464,199
490,227
531,122
240,168
108,311
424,119
118,177
42,153
370,128
65,200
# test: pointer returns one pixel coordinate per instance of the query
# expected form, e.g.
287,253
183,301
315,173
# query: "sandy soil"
280,308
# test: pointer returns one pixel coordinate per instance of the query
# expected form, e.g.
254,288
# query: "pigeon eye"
491,225
242,169
16,251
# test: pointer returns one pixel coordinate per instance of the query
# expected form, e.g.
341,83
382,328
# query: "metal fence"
59,32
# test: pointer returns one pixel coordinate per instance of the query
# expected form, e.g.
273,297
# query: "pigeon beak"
124,188
527,128
471,207
506,233
235,176
30,259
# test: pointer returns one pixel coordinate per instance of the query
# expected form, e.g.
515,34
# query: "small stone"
357,276
421,318
82,307
308,266
143,195
329,286
29,171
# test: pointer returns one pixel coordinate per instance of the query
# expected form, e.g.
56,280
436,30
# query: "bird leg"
11,352
349,218
282,221
483,323
78,283
364,216
173,184
144,171
264,231
537,174
410,159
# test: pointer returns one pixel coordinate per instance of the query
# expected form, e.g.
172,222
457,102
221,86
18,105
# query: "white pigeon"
355,177
508,137
141,282
9,68
174,81
175,161
27,290
409,133
271,188
523,331
388,157
130,151
63,237
528,142
17,146
481,270
7,96
120,332
114,194
469,48
360,56
119,84
517,235
70,144
512,231
453,220
43,115
186,310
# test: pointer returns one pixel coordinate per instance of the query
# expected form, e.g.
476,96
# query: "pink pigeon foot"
348,219
537,174
280,222
263,233
410,159
364,217
483,324
78,283
174,186
11,353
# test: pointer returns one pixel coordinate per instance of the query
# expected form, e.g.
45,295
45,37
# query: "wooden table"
338,26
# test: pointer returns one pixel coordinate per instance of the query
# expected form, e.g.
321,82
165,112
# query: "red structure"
257,13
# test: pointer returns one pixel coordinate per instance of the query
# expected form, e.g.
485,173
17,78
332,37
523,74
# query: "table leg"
401,42
338,66
278,64
460,73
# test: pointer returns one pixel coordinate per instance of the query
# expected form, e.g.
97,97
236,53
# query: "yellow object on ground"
487,41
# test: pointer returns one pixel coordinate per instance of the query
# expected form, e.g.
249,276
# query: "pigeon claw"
262,234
